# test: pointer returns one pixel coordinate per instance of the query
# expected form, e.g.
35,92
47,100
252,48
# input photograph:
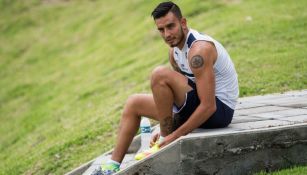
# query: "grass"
67,67
299,170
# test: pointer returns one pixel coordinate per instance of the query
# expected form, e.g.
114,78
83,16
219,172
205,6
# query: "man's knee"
160,75
131,104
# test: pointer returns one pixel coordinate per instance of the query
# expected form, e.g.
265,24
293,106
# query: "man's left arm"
202,56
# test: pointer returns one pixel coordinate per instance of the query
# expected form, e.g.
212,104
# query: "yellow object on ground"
147,152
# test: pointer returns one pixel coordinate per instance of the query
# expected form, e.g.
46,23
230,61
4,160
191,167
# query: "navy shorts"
221,117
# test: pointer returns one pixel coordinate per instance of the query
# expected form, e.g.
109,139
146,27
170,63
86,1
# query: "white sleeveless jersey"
226,79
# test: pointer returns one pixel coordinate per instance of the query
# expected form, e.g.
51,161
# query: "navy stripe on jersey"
191,39
187,74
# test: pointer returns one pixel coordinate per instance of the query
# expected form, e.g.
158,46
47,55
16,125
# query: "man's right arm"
172,60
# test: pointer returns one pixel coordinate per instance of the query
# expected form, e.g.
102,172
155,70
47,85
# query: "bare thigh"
177,82
144,105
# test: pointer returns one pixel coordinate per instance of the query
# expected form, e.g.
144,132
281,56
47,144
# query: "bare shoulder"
202,54
204,48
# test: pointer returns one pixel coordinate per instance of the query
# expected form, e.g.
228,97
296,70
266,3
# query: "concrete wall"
243,152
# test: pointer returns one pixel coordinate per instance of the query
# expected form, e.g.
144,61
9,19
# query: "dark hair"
164,7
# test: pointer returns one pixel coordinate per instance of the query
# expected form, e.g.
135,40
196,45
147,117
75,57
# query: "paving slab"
297,119
296,93
258,110
247,104
245,118
209,132
260,124
288,101
277,100
268,116
283,113
275,96
260,98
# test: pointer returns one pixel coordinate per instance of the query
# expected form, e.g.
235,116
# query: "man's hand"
154,139
168,139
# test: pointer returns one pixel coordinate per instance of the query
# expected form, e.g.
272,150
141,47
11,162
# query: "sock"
110,161
161,138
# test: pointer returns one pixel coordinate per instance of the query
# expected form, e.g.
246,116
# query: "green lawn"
291,171
67,67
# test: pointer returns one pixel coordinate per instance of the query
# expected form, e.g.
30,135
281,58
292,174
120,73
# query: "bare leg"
136,106
168,87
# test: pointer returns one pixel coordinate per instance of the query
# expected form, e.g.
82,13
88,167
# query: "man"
200,92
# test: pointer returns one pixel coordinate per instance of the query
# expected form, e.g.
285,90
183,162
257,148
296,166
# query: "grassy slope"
67,67
300,170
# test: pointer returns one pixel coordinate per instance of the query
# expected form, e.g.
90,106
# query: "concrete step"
267,133
228,152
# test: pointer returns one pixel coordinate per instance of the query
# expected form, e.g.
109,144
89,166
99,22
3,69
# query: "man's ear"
183,22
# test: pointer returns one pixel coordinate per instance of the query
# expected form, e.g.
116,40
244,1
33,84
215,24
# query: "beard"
180,38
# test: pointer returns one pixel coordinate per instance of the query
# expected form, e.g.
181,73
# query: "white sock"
113,162
161,138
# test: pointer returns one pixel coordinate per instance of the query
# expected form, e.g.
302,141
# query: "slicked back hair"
164,7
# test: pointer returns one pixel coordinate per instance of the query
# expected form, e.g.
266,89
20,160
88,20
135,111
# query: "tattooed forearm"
197,61
166,125
175,67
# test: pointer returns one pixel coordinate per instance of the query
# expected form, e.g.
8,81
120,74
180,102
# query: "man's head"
170,23
163,8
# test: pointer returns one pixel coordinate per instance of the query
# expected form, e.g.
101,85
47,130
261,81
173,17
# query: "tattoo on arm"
174,65
176,68
197,61
167,125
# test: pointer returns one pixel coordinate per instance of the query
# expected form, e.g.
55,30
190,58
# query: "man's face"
170,28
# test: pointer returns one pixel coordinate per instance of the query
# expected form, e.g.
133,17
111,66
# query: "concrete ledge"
241,152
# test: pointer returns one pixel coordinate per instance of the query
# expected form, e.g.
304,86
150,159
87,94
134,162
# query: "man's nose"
167,33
